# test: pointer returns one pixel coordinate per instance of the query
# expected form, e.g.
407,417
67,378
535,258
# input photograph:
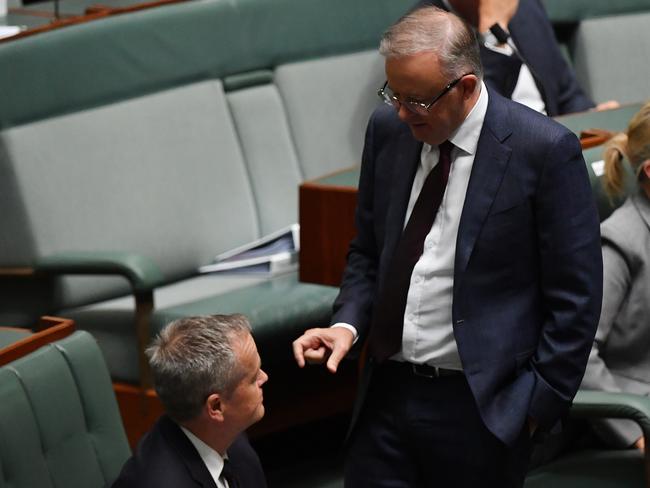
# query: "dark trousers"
419,432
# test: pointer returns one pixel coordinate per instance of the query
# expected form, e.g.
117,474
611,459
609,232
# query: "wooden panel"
326,229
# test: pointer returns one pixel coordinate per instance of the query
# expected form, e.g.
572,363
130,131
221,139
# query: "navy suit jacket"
528,267
165,457
533,35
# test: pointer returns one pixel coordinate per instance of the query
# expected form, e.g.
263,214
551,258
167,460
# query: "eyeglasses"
414,106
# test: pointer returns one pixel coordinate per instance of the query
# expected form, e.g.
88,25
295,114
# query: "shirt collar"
467,135
211,458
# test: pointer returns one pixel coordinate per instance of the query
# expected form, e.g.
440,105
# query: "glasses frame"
413,106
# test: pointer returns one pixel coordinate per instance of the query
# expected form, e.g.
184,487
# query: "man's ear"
469,84
646,168
214,407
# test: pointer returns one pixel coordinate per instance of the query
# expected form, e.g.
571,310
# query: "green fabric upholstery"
157,176
599,468
132,55
279,310
141,272
612,57
165,137
591,469
330,99
577,10
59,422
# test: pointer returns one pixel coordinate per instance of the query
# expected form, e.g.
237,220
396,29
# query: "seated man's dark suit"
165,457
528,268
533,35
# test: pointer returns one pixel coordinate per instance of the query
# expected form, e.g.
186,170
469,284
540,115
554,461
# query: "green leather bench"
599,467
59,422
136,148
608,44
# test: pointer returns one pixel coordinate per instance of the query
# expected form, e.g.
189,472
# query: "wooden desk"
327,204
326,209
605,123
17,342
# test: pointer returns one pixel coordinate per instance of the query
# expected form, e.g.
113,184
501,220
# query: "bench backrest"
176,133
59,421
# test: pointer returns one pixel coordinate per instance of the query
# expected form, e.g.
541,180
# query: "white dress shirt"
428,335
211,458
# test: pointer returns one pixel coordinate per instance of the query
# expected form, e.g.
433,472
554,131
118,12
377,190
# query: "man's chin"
421,132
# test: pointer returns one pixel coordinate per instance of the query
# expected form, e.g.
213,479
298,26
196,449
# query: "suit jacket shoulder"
165,457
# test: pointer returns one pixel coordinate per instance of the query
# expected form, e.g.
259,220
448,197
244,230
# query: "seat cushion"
279,309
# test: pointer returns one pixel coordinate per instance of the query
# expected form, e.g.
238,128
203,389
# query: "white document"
9,30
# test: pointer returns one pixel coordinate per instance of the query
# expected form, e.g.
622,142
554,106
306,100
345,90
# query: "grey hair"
192,358
431,29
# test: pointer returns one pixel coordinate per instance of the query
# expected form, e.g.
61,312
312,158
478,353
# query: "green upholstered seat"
612,57
562,11
600,468
168,136
591,469
59,422
279,308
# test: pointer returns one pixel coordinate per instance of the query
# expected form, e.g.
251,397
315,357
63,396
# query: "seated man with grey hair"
207,374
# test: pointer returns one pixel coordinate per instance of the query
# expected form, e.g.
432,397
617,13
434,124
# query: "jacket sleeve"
353,304
571,279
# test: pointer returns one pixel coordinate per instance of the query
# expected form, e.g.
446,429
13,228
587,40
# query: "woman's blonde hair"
634,144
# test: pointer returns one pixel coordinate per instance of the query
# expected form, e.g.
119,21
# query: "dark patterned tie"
228,473
388,317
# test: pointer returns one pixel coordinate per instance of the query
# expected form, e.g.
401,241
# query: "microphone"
498,32
504,38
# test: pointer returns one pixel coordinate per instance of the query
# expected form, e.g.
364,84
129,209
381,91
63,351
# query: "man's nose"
404,114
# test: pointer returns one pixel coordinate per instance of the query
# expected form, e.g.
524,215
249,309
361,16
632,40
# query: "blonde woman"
620,358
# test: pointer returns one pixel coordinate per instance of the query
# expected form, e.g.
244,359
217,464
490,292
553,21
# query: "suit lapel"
490,163
188,454
406,159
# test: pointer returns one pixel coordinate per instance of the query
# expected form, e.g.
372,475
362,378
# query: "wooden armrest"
50,329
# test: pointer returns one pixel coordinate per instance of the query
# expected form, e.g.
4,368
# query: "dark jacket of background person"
533,35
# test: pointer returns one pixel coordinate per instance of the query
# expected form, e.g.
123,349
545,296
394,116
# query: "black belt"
423,370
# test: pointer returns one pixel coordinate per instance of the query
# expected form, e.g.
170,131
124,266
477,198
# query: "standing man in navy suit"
523,62
207,374
475,276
